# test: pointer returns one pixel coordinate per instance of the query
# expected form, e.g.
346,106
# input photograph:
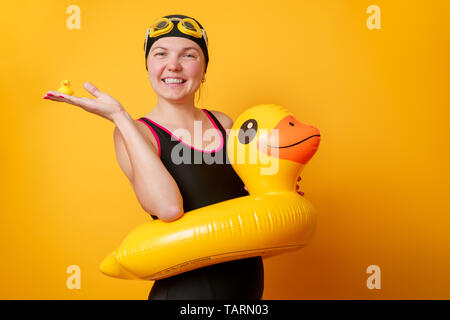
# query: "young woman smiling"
176,57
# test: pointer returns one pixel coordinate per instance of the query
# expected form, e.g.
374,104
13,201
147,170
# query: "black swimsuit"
202,184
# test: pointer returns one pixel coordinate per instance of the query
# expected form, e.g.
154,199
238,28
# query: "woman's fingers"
62,97
54,96
67,98
92,89
104,105
58,96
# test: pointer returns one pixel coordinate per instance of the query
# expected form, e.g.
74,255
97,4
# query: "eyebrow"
184,49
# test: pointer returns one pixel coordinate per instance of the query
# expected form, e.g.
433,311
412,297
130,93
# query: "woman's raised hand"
104,105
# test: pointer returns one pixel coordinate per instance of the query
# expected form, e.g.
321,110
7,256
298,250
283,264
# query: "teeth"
170,80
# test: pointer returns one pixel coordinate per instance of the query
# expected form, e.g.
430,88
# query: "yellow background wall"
379,180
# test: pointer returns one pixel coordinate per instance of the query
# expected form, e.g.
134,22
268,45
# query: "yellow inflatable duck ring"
272,220
65,87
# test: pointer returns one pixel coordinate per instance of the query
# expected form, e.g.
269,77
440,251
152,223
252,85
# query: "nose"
173,64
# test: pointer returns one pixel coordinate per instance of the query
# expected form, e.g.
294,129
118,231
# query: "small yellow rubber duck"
65,88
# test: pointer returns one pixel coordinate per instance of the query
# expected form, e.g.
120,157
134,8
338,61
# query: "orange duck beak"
291,140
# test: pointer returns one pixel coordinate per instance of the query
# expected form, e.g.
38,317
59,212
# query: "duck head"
268,148
65,83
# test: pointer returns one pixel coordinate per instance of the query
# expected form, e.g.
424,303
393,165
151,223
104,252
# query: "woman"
149,152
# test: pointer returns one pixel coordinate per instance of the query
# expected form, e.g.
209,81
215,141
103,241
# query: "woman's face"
175,57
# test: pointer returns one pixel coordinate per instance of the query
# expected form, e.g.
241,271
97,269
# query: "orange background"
379,180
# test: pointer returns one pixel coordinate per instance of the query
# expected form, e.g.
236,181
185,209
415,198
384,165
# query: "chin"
174,97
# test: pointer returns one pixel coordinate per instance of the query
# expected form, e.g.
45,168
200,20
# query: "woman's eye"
163,53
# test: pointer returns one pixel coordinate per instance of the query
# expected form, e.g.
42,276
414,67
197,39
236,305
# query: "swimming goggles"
185,25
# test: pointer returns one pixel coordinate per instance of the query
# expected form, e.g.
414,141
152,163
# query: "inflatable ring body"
272,220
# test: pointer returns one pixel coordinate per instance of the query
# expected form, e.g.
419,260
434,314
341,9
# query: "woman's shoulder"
224,119
147,133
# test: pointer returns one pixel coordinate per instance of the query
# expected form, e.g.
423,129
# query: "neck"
179,111
278,176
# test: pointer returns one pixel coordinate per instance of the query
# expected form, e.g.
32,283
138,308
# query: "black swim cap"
175,32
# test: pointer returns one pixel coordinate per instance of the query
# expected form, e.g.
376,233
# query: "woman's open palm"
104,105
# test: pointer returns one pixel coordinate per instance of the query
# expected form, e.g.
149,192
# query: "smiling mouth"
291,145
173,82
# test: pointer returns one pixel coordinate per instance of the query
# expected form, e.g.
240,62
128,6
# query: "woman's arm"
155,189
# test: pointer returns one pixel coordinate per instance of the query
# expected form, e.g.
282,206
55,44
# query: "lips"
178,78
174,85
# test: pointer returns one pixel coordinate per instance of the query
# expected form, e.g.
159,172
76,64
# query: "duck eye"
291,123
248,131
